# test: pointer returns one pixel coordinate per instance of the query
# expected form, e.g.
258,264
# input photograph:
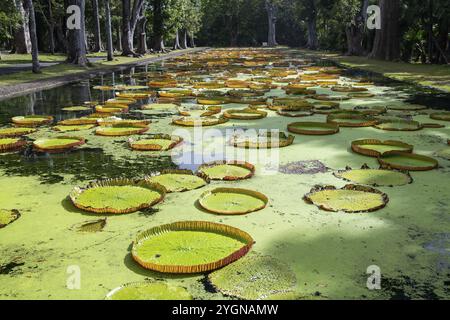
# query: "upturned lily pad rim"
328,128
203,226
27,120
194,122
325,97
357,146
176,140
105,122
417,127
414,107
251,114
17,144
383,160
59,148
77,191
21,131
283,141
365,120
348,89
133,129
352,187
110,294
339,173
200,175
442,116
14,213
236,163
248,192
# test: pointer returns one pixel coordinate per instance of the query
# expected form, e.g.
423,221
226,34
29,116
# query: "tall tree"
311,20
387,39
356,10
272,9
158,25
33,36
76,52
109,40
22,40
130,17
97,33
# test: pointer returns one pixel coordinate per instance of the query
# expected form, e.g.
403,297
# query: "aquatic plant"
407,161
351,198
118,130
262,141
194,122
90,226
374,177
313,128
76,109
8,216
351,120
73,128
232,201
244,114
227,170
190,247
443,116
375,147
117,196
254,277
177,180
57,144
303,167
31,120
11,144
156,142
398,125
149,290
15,132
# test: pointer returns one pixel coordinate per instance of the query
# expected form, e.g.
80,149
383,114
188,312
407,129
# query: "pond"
319,242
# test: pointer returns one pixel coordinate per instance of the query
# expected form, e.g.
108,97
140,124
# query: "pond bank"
26,82
431,76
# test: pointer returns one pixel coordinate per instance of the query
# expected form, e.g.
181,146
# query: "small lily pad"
149,290
8,216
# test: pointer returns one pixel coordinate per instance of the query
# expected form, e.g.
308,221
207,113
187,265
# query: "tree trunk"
22,40
387,39
272,16
77,46
185,39
176,45
51,28
158,25
97,34
119,37
354,32
33,37
443,39
313,41
192,40
141,27
109,40
130,17
61,39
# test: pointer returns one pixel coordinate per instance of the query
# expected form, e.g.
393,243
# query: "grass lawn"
60,69
436,76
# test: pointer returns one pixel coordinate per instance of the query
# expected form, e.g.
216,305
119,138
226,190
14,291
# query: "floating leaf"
313,128
375,177
11,144
58,144
8,216
179,180
375,148
149,290
15,132
227,170
407,161
32,121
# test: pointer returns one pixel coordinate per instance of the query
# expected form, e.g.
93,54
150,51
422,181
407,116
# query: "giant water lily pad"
57,144
149,290
375,177
375,148
196,122
399,125
76,109
443,116
407,161
254,277
444,153
32,121
244,114
121,130
227,170
313,128
351,198
156,142
78,121
11,144
112,121
15,132
8,216
407,107
266,140
351,120
190,247
232,201
179,180
74,128
117,196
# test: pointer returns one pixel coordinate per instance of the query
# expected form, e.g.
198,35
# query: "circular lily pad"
325,97
443,116
74,128
156,142
348,89
351,198
78,121
227,170
11,144
232,201
76,109
8,216
407,107
245,114
262,141
254,277
375,148
32,121
197,122
117,196
407,161
325,107
313,128
399,125
111,121
212,100
294,113
190,247
15,132
57,144
121,130
159,106
179,180
111,109
149,290
351,120
375,177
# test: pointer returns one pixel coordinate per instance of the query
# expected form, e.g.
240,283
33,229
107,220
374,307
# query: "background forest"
411,30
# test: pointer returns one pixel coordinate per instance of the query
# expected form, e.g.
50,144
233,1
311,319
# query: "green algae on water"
179,181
